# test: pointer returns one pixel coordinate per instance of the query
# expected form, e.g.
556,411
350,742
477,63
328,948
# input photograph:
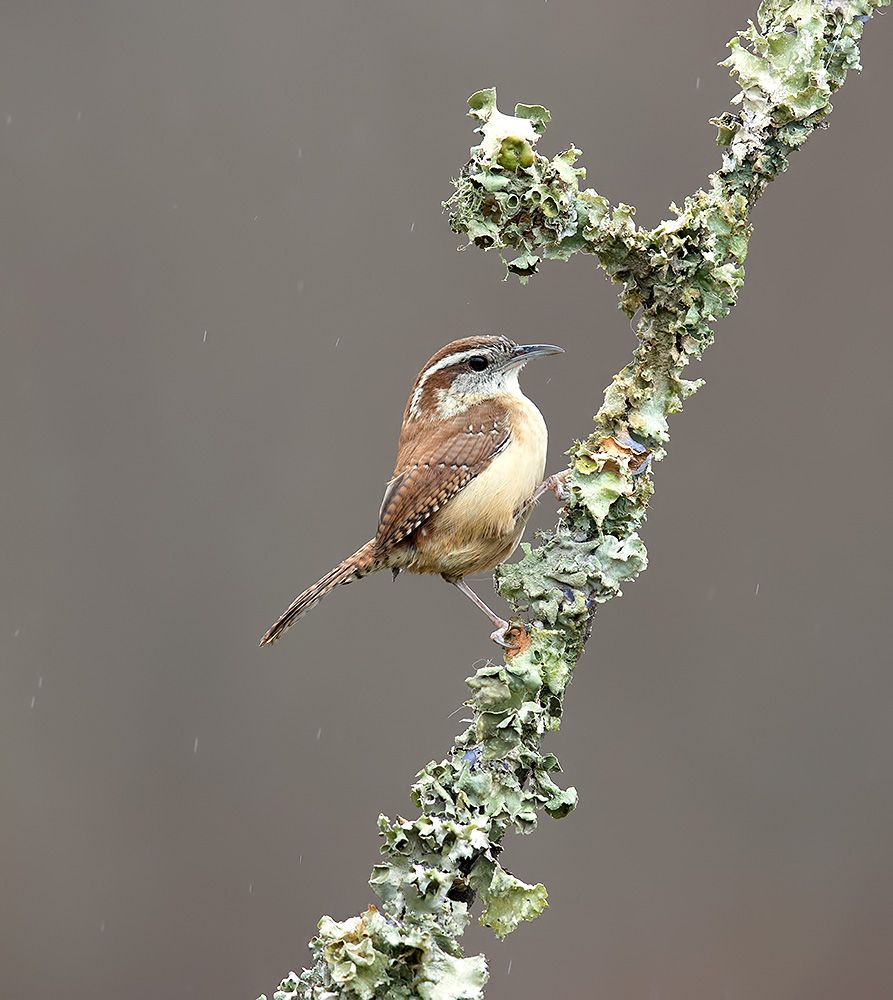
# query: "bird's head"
469,371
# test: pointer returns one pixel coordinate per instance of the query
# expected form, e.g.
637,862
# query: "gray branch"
678,278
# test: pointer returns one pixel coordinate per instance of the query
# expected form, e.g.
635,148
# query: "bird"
470,464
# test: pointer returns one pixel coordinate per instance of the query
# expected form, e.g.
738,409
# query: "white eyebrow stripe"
450,359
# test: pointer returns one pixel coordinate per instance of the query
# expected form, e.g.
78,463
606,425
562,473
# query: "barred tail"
363,561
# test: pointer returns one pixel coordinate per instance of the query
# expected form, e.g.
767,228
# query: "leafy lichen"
678,279
507,900
374,957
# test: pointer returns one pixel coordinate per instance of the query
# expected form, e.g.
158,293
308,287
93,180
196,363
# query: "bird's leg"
556,484
498,634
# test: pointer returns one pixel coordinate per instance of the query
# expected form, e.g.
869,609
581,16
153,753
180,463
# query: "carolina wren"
470,464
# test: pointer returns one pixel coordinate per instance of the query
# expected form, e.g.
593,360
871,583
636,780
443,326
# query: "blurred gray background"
224,261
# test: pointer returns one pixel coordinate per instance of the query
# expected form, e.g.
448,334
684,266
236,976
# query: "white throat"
501,383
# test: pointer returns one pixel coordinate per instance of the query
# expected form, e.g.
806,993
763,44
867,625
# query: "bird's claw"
557,483
498,635
516,632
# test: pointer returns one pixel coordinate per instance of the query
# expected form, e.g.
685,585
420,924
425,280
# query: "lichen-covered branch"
678,278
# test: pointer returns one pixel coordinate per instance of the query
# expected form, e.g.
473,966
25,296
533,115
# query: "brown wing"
435,461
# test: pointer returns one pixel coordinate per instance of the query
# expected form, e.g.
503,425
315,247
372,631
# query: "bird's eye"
478,363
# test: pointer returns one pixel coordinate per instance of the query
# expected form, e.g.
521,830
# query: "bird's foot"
557,484
511,636
499,633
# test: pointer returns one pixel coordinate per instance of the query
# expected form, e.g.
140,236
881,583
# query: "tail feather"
363,561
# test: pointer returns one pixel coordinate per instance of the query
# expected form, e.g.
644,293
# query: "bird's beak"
524,352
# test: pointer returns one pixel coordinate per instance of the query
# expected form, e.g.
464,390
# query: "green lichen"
507,900
677,279
373,957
